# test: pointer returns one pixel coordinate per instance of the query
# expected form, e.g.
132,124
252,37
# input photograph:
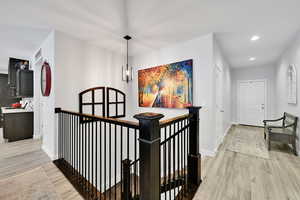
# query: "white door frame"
219,111
238,96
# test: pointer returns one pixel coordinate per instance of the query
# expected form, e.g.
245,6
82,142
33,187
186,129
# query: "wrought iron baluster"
92,160
105,160
110,189
100,159
96,159
169,163
115,161
135,159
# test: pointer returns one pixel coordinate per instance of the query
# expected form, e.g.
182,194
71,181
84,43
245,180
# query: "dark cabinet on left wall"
20,78
5,99
17,126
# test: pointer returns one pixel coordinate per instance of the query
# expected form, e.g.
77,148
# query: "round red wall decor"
46,79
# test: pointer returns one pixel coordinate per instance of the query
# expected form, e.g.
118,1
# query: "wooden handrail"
130,124
120,122
167,122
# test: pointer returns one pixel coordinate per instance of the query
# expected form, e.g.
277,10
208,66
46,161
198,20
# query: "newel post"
57,110
149,155
194,157
126,195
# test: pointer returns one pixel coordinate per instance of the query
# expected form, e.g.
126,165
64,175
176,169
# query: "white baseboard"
37,136
227,129
221,138
234,123
219,142
49,153
205,152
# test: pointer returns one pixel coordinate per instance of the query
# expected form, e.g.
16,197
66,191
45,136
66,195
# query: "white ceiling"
18,42
154,24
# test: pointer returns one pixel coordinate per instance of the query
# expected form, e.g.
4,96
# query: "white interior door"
252,102
219,103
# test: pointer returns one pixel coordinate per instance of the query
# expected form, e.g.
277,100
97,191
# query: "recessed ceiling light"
252,58
255,38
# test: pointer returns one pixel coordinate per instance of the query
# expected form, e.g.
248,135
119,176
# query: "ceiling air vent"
38,57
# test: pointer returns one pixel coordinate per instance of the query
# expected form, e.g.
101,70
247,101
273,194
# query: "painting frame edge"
191,87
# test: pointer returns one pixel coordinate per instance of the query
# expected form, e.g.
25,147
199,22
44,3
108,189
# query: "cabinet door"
5,95
12,71
25,83
14,65
18,126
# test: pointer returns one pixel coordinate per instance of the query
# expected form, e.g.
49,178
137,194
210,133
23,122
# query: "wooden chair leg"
294,148
265,130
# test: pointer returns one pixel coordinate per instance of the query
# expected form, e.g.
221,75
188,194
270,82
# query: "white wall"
81,65
201,51
4,70
221,63
255,73
44,118
290,56
76,65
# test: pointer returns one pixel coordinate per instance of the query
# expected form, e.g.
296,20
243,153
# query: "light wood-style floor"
235,176
227,176
18,157
22,156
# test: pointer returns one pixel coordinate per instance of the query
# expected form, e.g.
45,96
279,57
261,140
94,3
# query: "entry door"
252,102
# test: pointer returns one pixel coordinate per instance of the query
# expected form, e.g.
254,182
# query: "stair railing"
170,161
95,154
107,158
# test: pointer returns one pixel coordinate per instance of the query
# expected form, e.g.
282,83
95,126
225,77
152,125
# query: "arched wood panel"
93,101
112,102
118,103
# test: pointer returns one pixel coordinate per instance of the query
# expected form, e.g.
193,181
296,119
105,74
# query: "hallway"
229,175
238,176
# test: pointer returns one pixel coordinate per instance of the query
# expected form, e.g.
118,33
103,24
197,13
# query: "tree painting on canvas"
166,86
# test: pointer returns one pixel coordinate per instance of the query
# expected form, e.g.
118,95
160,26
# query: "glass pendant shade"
127,71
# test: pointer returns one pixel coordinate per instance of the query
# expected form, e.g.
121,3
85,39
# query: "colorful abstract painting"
166,86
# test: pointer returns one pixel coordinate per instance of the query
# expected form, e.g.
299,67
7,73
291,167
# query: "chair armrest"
273,120
270,127
290,125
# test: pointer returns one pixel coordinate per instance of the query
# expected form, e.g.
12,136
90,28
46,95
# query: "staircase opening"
109,158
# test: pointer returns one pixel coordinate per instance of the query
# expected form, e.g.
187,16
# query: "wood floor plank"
22,156
227,176
236,176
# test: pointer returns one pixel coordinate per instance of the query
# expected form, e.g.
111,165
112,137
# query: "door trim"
238,97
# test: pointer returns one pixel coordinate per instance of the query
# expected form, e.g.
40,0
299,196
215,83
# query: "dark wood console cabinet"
18,126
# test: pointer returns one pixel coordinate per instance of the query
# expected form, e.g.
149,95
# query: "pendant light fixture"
127,71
